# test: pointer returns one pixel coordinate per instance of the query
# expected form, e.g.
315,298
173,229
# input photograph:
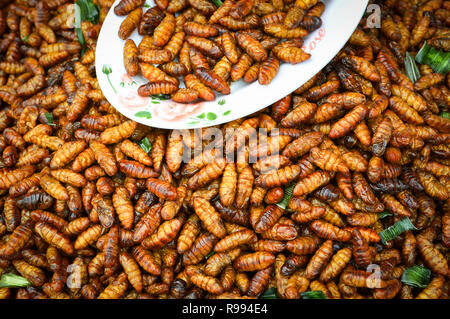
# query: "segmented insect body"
17,240
269,68
311,183
341,127
209,216
254,261
432,257
165,233
123,206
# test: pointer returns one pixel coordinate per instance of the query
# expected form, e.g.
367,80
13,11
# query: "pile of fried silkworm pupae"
243,39
87,213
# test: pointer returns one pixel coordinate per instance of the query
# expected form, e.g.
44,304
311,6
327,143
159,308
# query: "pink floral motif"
130,99
172,111
128,96
126,79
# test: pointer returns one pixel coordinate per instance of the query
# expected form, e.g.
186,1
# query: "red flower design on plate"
126,79
172,111
130,99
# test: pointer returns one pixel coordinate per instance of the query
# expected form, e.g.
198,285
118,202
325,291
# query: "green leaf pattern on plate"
144,114
157,98
106,69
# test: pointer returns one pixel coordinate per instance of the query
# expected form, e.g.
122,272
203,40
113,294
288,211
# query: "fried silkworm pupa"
251,46
212,80
209,216
157,88
161,188
269,68
130,57
254,261
130,23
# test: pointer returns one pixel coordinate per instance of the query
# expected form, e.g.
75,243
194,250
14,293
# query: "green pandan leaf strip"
209,254
49,117
438,60
445,115
316,294
10,280
217,3
412,71
161,97
398,228
89,11
286,197
145,145
416,276
270,293
384,214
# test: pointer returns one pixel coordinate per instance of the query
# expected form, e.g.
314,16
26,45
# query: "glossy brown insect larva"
291,55
252,46
210,218
204,92
53,237
165,233
161,188
212,80
302,112
356,140
130,57
254,261
268,70
130,23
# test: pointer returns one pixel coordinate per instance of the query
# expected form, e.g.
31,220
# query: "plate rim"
236,115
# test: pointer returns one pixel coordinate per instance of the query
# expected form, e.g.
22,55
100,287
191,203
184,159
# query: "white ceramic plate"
340,19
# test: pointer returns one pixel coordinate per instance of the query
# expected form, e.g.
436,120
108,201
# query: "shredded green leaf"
270,293
416,276
83,51
161,97
384,214
49,117
316,294
209,254
25,38
85,10
286,197
445,115
145,145
10,280
217,3
78,20
412,71
393,231
438,60
89,11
